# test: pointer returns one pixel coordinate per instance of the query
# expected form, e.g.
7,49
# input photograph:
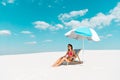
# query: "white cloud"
59,26
116,12
56,27
26,32
5,32
100,20
73,23
3,3
78,13
41,25
31,43
71,15
106,36
109,35
11,1
44,25
48,40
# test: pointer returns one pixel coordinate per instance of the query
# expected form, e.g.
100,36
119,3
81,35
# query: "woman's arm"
75,55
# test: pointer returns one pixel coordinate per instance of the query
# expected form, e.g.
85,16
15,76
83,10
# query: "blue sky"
28,26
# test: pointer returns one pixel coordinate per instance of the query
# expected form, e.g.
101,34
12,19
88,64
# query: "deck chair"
77,52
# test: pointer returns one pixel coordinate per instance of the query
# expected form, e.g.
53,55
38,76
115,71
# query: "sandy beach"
98,65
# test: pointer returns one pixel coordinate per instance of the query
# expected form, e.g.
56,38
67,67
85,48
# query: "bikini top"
70,53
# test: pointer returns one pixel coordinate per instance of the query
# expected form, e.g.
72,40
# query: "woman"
70,55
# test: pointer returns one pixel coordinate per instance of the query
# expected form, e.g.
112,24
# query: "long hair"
70,46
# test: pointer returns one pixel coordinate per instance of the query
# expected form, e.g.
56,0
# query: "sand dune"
98,65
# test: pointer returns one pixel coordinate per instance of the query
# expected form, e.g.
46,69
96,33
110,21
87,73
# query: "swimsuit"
70,54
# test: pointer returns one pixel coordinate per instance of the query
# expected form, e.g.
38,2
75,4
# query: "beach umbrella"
83,33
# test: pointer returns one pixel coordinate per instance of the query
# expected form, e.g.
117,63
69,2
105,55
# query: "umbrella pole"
83,44
83,49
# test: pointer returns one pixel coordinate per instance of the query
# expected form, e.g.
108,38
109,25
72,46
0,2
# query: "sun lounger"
76,59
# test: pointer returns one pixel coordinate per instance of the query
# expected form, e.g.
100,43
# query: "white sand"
98,65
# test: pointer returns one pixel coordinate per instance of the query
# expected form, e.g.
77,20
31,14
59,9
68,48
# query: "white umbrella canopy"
94,36
83,33
74,35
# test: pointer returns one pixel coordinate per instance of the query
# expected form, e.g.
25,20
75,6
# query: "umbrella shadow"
73,63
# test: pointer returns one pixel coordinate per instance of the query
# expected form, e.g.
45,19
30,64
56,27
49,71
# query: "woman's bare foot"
55,65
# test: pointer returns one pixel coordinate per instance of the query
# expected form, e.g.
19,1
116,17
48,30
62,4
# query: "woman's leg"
57,62
62,60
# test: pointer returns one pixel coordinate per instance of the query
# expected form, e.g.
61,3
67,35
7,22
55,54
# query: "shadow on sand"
72,63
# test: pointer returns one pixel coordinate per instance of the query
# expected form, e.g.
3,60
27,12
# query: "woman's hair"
70,46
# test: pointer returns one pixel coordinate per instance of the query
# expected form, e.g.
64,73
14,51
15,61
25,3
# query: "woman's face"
69,47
